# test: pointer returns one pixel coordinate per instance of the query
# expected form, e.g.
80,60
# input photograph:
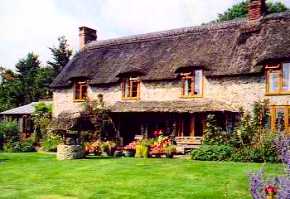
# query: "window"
278,79
131,88
192,84
80,90
280,118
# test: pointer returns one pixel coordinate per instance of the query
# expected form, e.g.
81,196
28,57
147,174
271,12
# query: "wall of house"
239,91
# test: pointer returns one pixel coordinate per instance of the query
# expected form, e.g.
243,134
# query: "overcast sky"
34,25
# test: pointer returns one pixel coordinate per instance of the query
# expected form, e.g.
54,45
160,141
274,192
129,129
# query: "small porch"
185,121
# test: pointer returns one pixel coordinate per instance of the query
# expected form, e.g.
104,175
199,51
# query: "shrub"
19,146
1,140
262,151
212,152
9,130
50,143
27,145
214,134
41,117
12,147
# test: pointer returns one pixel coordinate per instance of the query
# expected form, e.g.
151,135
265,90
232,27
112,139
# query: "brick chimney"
256,9
86,35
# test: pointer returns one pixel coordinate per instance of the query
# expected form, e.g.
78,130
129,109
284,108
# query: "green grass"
35,175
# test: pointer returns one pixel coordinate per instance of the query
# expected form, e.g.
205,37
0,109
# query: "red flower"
270,189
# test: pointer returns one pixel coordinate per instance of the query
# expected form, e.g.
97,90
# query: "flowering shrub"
279,186
131,146
94,148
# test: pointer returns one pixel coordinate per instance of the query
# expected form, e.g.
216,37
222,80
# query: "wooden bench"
187,143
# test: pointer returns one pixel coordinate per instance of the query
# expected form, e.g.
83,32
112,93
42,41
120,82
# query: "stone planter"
69,152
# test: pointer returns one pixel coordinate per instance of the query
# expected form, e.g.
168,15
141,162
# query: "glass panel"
77,91
274,81
187,87
198,82
134,89
127,88
84,91
288,117
280,118
286,77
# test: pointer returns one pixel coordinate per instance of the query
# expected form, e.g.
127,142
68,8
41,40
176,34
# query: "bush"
263,151
214,134
27,145
19,146
50,143
1,141
10,135
212,152
9,130
12,147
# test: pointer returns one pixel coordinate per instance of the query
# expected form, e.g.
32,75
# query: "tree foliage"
41,118
240,10
60,55
30,82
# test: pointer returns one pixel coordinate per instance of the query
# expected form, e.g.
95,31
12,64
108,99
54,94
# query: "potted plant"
130,149
142,148
170,150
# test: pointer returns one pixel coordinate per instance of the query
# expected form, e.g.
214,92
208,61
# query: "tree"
10,89
240,10
27,69
60,55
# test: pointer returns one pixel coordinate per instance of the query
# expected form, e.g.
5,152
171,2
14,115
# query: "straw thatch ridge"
195,106
230,48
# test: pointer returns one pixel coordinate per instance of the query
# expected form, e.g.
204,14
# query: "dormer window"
80,90
278,79
192,84
130,88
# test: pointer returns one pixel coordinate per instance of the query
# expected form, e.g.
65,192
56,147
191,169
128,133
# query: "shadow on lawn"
99,157
3,160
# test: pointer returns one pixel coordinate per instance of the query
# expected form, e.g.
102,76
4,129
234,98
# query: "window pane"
77,91
274,81
127,88
198,82
134,89
187,87
280,119
286,77
288,117
84,91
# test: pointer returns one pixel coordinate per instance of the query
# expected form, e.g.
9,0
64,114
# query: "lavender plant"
281,184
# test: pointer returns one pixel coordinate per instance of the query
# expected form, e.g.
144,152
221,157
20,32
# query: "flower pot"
129,153
169,155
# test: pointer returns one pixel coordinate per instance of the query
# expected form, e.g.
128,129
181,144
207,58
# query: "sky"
34,25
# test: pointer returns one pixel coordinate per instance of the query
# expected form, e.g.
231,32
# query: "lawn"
35,175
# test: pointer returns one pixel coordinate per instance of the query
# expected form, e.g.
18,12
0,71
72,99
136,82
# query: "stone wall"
69,152
240,91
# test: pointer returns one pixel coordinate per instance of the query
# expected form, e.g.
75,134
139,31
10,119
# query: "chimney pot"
256,9
86,35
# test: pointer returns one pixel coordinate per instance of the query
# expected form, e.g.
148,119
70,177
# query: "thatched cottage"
172,79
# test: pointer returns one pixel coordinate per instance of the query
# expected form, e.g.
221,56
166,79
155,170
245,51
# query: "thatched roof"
193,106
72,122
229,48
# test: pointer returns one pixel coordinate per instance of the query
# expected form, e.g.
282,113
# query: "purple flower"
282,145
